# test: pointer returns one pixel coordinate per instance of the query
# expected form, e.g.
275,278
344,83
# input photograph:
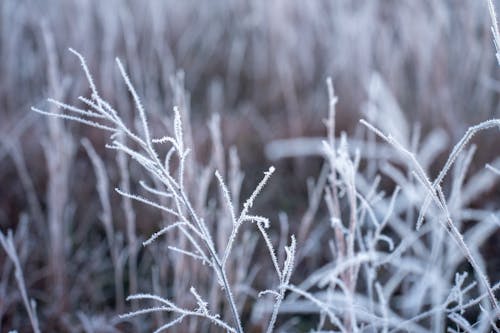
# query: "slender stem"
230,298
217,264
178,191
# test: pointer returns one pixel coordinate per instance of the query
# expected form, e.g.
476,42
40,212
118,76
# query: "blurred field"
424,67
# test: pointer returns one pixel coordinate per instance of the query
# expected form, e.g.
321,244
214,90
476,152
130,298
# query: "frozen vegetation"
122,211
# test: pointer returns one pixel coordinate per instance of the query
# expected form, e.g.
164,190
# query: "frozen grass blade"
7,242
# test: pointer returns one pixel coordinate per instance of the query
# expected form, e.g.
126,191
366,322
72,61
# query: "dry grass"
391,233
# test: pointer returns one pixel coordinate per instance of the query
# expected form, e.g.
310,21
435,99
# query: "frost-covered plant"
169,171
494,29
7,242
389,271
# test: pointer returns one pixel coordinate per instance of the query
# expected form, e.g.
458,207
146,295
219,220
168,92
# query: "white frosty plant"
140,146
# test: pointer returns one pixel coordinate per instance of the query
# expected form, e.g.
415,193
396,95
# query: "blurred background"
260,64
